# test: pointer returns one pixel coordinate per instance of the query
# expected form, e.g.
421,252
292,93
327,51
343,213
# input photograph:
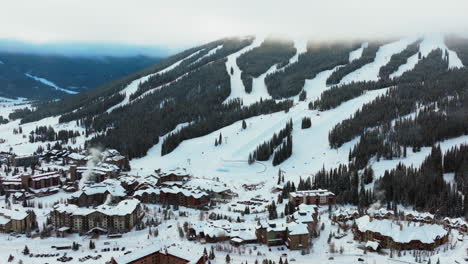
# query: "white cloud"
184,23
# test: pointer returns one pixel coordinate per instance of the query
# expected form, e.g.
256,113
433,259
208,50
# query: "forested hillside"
260,59
20,73
319,57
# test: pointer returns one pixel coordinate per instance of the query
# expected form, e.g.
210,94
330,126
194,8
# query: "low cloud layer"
178,23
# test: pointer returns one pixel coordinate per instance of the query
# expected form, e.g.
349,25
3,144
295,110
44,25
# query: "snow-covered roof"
137,254
197,194
114,158
15,214
273,225
348,212
122,208
188,254
420,215
305,214
156,191
4,220
372,244
380,212
404,233
176,171
77,156
318,192
47,175
207,185
297,229
111,186
100,168
455,222
110,153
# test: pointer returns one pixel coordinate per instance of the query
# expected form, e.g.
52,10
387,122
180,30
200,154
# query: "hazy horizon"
171,26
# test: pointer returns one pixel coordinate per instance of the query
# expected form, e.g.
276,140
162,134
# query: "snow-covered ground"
49,83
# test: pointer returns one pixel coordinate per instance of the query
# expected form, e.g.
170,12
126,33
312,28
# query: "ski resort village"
255,150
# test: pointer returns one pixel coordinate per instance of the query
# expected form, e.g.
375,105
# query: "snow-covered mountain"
188,111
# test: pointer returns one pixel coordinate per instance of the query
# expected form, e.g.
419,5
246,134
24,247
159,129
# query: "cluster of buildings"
115,218
456,223
177,187
345,215
381,228
113,205
158,254
56,169
295,232
107,191
214,231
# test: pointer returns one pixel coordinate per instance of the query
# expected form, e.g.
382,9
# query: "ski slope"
428,44
316,86
229,160
237,87
370,72
259,89
356,54
211,52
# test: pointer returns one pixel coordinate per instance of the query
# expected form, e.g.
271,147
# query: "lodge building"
174,196
15,220
32,183
121,217
316,197
400,235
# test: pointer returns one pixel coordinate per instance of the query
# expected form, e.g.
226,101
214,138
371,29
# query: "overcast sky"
179,24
